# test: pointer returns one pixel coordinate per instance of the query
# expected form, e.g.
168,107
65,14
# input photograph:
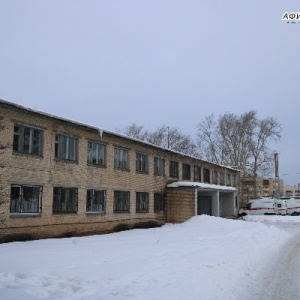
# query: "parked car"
260,206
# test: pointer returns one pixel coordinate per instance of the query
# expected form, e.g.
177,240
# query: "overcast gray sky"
111,63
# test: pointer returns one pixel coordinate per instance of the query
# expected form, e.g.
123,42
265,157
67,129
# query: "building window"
206,175
142,163
222,179
214,177
173,168
159,202
25,199
186,171
197,173
121,201
159,166
95,201
65,147
27,140
96,154
234,180
142,202
121,159
228,179
65,200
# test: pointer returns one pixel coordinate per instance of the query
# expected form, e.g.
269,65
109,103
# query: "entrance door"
204,205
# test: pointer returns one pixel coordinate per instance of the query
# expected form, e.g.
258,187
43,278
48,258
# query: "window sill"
142,211
95,213
142,172
61,160
96,165
65,213
38,156
121,212
24,215
123,170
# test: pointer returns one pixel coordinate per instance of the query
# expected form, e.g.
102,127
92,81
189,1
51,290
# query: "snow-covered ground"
203,258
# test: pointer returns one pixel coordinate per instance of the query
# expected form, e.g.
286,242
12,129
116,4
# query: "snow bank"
203,258
272,218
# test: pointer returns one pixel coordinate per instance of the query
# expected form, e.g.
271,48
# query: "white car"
260,206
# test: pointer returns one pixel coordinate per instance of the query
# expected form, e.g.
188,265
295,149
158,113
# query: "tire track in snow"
281,280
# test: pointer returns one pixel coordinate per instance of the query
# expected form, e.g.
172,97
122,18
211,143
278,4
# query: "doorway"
204,205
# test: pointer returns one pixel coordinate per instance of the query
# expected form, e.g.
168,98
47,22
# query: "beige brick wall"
48,172
180,204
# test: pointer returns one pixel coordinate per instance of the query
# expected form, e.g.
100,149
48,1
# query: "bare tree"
240,141
265,130
165,137
209,140
136,131
226,140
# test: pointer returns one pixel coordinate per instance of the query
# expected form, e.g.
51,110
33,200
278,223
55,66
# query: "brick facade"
47,172
181,204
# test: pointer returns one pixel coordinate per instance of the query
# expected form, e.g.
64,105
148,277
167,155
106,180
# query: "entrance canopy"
210,199
202,186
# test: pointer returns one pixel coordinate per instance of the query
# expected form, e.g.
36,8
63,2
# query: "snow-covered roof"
201,185
101,131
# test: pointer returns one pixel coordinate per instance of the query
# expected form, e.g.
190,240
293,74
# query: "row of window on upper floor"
28,140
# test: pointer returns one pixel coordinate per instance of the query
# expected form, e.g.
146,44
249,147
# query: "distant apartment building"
64,178
265,187
292,190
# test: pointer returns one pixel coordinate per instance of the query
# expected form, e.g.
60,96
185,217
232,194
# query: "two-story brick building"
63,178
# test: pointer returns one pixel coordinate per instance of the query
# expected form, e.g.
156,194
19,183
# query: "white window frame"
142,162
66,147
142,202
22,140
96,153
23,203
95,200
159,166
121,158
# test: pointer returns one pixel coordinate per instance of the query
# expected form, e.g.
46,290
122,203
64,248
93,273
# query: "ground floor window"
25,199
159,202
95,201
142,202
121,201
65,200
